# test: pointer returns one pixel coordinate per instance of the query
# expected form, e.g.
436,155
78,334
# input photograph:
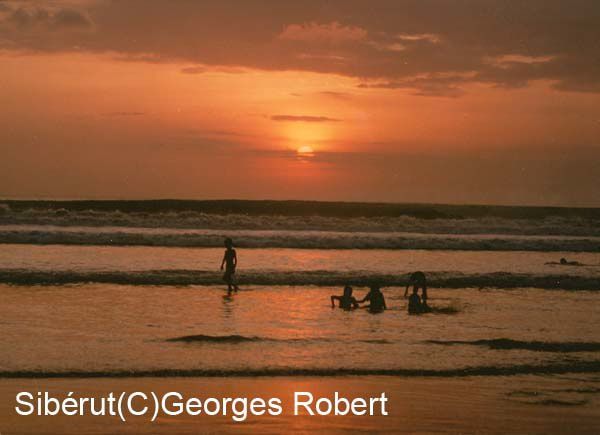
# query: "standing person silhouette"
230,263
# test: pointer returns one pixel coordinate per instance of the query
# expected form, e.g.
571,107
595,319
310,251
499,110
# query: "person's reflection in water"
227,307
375,299
346,301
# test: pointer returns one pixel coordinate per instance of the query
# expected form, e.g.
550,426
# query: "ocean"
133,289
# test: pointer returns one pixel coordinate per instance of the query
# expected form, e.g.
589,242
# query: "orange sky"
472,102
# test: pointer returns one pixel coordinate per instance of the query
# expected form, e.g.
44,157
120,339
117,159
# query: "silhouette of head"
228,243
415,290
418,278
375,288
347,291
563,261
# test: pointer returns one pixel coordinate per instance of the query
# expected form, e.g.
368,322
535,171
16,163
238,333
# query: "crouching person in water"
376,300
418,281
415,306
346,301
230,263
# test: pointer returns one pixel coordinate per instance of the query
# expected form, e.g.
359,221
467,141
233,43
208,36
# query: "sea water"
77,299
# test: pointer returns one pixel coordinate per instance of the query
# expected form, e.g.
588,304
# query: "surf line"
153,405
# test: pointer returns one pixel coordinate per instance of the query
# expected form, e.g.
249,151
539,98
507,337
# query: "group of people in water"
417,303
348,302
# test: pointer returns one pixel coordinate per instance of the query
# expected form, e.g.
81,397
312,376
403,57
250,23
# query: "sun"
305,150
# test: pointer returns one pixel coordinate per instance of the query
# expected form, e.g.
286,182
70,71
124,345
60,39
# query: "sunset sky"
402,101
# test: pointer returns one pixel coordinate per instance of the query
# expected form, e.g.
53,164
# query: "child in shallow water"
376,300
346,301
414,302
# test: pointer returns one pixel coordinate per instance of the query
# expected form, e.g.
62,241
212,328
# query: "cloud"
426,86
202,69
336,94
194,70
403,41
302,118
226,133
124,114
391,42
509,60
429,37
328,57
388,46
71,19
333,33
39,19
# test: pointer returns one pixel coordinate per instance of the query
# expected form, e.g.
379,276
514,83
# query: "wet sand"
517,404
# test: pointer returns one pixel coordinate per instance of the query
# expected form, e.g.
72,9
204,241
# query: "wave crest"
301,278
536,346
513,370
232,339
294,239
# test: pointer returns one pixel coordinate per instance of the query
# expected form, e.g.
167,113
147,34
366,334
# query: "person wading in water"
230,263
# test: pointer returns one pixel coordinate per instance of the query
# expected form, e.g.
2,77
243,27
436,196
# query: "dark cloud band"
432,47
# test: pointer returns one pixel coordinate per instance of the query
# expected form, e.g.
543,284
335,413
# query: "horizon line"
320,201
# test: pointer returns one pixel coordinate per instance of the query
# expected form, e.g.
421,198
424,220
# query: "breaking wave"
301,278
43,235
536,346
238,339
305,216
231,339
